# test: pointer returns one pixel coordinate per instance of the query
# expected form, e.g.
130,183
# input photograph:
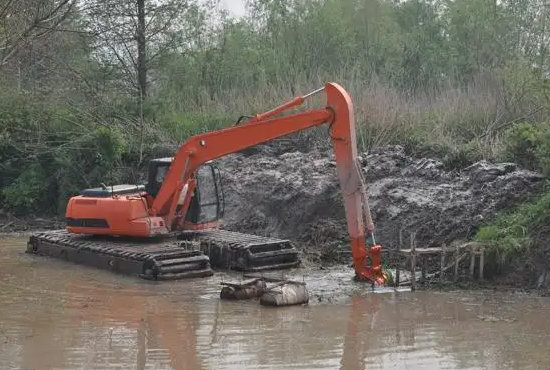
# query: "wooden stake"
442,268
457,260
399,247
424,266
472,261
481,261
413,263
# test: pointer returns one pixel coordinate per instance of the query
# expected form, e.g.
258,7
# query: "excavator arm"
262,128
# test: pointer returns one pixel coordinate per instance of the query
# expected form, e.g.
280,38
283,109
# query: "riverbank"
295,195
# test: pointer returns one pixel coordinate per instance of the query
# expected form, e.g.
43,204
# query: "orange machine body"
126,215
171,206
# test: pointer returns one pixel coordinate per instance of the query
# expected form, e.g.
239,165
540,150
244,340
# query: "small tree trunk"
142,57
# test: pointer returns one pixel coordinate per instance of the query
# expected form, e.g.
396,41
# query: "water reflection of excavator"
171,326
183,198
171,330
360,308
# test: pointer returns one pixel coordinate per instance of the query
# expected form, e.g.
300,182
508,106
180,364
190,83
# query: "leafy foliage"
515,230
441,77
529,145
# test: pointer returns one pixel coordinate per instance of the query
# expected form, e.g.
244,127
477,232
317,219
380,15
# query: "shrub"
514,230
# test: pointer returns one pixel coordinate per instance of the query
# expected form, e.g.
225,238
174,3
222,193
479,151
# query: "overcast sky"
235,6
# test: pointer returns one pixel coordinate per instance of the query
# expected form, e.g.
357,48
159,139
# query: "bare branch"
5,9
20,28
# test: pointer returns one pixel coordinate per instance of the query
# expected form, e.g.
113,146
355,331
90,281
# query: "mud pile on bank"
296,195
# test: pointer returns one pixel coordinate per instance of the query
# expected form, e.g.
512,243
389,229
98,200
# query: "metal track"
151,260
190,255
244,252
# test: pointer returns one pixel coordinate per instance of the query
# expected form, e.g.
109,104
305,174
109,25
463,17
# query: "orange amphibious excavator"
167,229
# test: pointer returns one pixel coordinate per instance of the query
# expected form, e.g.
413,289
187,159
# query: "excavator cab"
207,203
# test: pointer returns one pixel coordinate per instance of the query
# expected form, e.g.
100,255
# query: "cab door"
207,205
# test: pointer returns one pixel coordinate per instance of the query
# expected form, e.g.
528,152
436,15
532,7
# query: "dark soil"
296,195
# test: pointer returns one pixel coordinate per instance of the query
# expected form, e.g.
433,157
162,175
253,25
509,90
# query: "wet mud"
296,195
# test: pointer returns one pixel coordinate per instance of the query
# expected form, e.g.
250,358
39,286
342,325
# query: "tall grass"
458,125
444,121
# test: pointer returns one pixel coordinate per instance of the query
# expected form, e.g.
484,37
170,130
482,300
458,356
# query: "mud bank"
274,191
296,195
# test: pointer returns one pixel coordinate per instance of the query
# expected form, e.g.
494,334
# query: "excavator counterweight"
168,228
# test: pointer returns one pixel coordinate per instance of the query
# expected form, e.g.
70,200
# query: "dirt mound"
296,195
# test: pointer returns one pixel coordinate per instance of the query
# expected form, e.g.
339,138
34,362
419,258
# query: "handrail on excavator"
286,106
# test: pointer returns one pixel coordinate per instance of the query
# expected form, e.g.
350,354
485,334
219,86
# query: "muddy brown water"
54,315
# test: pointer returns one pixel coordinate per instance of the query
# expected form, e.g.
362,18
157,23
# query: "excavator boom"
262,128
